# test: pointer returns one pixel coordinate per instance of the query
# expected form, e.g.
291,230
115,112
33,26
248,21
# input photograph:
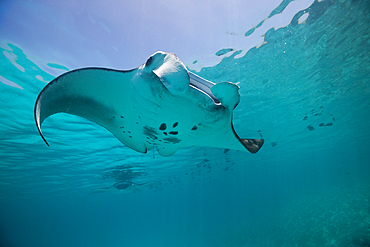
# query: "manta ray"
160,105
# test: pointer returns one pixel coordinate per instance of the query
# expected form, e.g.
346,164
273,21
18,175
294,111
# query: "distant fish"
310,128
328,124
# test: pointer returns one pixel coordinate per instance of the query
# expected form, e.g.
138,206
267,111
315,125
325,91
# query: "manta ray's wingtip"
253,145
38,121
45,140
40,132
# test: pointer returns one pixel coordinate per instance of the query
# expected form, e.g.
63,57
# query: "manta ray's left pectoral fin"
253,145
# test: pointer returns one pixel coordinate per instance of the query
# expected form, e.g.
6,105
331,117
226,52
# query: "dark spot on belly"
310,128
172,140
130,136
322,124
121,116
173,132
121,127
175,124
165,133
163,126
329,124
150,132
194,128
137,123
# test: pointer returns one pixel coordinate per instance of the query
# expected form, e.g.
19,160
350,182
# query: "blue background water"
307,91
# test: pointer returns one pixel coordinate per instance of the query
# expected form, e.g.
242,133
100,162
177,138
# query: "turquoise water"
307,91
